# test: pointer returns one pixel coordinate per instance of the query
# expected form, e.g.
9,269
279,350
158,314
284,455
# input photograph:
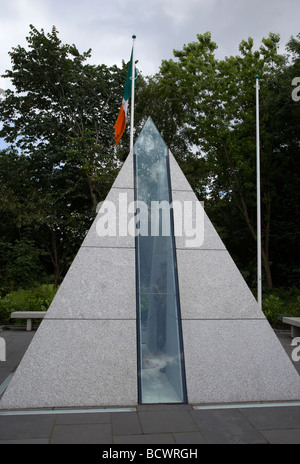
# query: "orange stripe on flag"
120,125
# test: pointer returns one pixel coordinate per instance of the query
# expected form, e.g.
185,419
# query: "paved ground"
151,425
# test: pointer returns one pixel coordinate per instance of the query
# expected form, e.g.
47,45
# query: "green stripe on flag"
127,90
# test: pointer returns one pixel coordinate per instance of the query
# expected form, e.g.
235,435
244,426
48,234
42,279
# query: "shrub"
282,302
36,299
273,308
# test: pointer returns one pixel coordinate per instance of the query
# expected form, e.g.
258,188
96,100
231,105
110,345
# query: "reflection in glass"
161,364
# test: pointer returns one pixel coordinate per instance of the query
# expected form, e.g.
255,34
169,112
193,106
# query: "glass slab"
160,348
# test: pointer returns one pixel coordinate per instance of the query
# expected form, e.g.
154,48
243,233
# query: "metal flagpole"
132,97
259,273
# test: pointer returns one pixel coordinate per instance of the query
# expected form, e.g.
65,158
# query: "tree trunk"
267,268
243,208
93,194
55,260
265,251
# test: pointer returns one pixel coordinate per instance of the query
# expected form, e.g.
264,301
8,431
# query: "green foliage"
273,308
22,265
59,119
36,299
210,104
281,302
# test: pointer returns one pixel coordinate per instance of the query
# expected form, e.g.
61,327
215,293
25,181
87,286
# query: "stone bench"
29,315
294,322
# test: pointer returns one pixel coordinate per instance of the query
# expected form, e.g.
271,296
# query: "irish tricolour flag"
120,125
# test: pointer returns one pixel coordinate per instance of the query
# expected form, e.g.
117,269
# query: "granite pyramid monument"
152,320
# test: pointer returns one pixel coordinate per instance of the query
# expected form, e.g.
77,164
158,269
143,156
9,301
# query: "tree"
19,255
282,128
62,108
214,102
59,121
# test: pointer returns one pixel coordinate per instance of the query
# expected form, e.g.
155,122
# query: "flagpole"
259,271
132,96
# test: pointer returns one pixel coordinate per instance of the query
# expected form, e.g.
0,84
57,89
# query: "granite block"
211,287
77,364
100,284
236,361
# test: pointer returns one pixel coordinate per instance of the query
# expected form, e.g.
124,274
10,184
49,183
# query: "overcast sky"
107,26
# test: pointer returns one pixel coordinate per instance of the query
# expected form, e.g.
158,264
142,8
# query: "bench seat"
29,315
294,322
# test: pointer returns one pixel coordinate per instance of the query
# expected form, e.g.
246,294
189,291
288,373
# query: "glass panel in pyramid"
161,369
